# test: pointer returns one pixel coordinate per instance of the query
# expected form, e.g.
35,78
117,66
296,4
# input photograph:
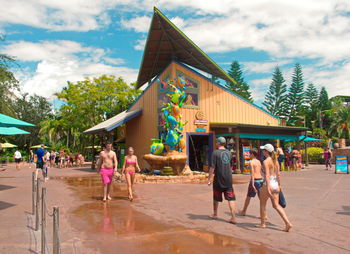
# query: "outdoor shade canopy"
7,145
38,146
8,121
113,122
91,147
12,131
165,43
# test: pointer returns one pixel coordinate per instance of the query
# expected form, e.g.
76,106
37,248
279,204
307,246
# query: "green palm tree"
341,122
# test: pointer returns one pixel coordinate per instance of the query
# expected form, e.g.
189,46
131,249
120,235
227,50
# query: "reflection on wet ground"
115,227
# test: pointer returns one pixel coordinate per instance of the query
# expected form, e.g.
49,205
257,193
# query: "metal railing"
39,201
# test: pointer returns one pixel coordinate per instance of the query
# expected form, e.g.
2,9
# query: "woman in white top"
18,158
271,187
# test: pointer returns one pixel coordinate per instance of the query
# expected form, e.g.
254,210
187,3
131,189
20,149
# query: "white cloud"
140,44
138,24
264,67
62,61
57,15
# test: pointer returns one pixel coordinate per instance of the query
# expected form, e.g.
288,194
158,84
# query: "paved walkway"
318,205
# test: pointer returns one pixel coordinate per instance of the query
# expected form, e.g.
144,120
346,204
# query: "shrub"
315,154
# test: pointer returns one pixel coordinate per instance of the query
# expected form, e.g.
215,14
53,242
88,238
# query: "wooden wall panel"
217,104
140,130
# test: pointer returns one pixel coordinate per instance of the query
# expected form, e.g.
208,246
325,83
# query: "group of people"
107,166
59,159
265,181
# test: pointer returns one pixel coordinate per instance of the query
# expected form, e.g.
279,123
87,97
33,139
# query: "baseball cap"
267,147
221,140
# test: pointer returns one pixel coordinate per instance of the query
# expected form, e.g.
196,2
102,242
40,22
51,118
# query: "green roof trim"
156,10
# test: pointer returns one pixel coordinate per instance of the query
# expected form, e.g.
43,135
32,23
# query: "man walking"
18,158
256,181
107,163
40,153
221,168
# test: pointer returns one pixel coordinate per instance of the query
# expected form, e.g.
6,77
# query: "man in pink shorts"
107,163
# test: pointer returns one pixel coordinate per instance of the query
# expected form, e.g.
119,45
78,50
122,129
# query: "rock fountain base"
173,159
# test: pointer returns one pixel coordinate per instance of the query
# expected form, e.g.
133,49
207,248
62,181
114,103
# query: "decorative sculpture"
173,125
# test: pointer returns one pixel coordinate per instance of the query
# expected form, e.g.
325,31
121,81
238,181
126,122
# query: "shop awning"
306,139
267,136
7,145
113,122
12,131
8,121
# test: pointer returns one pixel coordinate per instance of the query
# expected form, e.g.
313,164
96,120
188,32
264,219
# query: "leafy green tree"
340,124
275,98
33,109
240,87
296,95
8,83
88,103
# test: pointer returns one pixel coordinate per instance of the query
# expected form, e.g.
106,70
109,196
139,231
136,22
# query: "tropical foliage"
87,103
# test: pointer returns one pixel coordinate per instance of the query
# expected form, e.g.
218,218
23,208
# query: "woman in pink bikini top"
129,168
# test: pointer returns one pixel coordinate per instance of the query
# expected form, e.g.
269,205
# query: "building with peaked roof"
209,109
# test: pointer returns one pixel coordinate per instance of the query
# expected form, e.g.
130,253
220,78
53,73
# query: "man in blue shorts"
222,184
256,181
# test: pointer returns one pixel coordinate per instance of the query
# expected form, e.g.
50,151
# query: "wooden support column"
238,158
93,152
306,156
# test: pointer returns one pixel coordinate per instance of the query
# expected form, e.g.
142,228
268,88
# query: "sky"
55,41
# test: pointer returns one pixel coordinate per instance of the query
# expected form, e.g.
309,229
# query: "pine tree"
275,99
311,96
241,87
296,94
323,100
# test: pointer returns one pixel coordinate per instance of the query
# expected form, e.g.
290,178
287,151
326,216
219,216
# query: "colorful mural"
192,90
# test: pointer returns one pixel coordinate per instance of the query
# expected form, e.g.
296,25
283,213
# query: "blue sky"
57,40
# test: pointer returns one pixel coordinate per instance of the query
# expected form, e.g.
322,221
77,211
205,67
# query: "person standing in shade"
18,158
40,154
107,164
327,156
256,181
280,157
222,184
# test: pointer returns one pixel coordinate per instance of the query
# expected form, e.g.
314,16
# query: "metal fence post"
43,219
37,204
33,193
56,242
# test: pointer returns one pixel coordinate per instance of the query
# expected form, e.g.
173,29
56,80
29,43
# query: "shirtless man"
256,181
107,163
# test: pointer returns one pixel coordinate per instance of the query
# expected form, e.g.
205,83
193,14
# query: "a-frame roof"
165,43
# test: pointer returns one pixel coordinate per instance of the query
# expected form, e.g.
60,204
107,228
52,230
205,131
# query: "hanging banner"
341,164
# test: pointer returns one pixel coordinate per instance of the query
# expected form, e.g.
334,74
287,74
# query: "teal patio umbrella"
12,131
8,121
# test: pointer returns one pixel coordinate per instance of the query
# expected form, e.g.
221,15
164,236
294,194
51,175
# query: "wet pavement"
117,226
173,217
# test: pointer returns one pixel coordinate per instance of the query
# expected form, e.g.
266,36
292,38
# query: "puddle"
115,227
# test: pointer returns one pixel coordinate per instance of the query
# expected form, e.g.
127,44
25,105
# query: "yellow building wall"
218,105
140,130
